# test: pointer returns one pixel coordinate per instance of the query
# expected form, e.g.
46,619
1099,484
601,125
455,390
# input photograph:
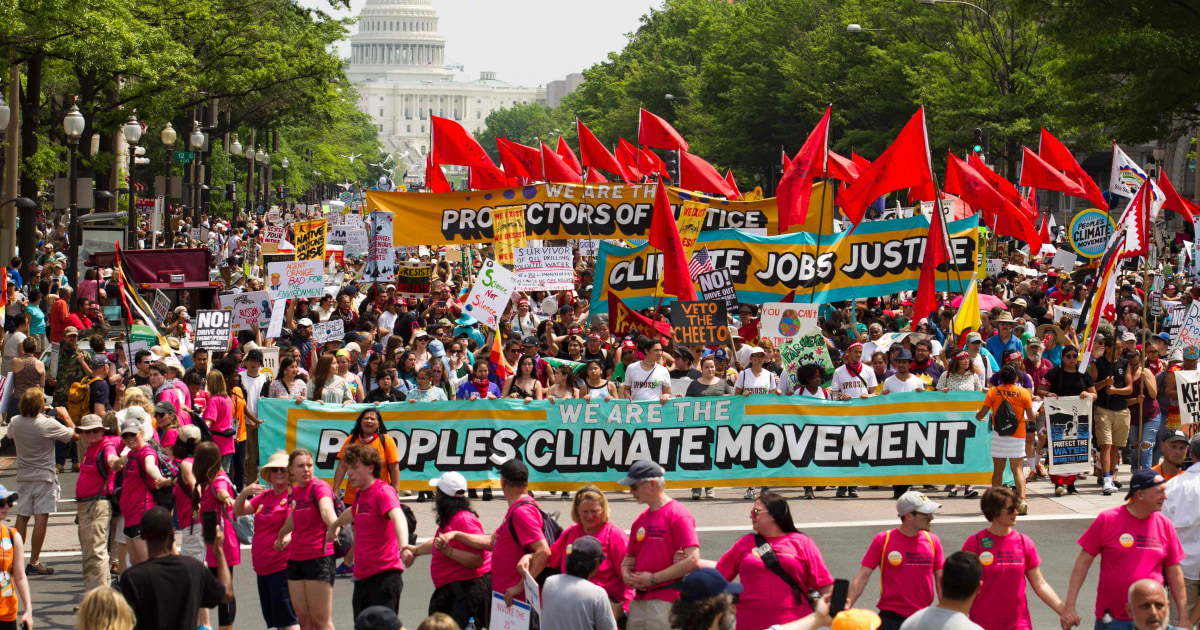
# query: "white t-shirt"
252,385
846,383
764,383
743,354
646,384
894,385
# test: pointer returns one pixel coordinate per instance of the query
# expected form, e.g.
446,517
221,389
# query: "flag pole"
820,227
945,236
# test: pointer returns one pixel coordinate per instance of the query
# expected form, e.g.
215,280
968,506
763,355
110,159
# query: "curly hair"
701,614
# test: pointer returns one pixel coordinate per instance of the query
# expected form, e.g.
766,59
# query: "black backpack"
345,537
1005,420
550,529
412,523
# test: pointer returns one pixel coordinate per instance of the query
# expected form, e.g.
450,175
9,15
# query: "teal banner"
927,437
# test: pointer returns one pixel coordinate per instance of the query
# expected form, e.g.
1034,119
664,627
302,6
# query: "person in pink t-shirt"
213,492
310,556
380,531
270,506
1008,558
218,413
909,560
662,549
140,476
462,584
1135,541
590,513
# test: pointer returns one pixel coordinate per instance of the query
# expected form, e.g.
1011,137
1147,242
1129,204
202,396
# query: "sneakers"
1059,490
344,571
749,494
1023,509
808,494
74,466
1109,487
953,491
852,492
971,493
695,494
1071,489
566,495
841,492
487,494
406,493
710,493
424,496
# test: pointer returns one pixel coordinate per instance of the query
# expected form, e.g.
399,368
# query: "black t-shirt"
1115,369
603,357
1064,383
378,395
166,593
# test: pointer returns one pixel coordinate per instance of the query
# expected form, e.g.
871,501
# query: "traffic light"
978,148
672,163
231,191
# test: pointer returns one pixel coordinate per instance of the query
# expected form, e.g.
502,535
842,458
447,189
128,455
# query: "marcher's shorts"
37,497
1112,427
317,569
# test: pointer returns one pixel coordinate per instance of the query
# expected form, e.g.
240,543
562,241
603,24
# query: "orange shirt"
1017,396
239,412
389,454
8,593
1158,469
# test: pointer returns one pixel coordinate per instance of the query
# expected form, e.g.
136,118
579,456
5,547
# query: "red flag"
1037,173
696,174
1006,188
595,177
658,133
1173,201
842,169
595,155
784,160
795,187
905,164
974,189
627,158
556,169
489,178
623,319
1135,223
1059,156
861,161
499,365
564,151
924,192
435,179
936,246
1044,234
729,179
520,160
664,236
452,144
649,163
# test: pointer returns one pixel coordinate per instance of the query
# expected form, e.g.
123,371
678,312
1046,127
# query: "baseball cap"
377,618
756,350
1144,480
641,469
530,340
89,422
720,354
705,583
973,337
130,425
70,330
856,619
254,355
1034,341
903,355
451,484
1128,336
1020,302
189,432
304,321
587,546
8,495
353,347
913,501
1175,435
1164,336
435,348
164,406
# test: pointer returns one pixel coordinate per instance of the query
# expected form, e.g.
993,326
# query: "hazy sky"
526,42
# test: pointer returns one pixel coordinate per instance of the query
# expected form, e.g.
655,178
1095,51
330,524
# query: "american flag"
701,263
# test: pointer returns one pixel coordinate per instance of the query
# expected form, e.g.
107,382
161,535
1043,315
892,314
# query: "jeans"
62,451
1149,435
1115,624
239,466
1158,438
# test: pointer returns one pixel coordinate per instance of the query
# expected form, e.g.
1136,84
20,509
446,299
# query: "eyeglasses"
159,414
11,501
1070,356
754,512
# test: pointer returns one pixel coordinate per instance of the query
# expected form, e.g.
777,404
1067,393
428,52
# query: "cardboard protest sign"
310,239
332,330
1187,386
702,323
489,296
413,279
784,321
808,349
510,231
301,278
1061,311
381,256
515,617
214,330
248,308
1064,259
270,363
544,269
718,285
1070,430
994,267
1188,332
161,307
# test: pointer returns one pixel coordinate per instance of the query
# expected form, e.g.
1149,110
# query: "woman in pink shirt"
590,513
270,506
218,413
380,531
310,556
1009,558
214,493
139,476
462,580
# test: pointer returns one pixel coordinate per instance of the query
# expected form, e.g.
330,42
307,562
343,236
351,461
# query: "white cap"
913,501
451,484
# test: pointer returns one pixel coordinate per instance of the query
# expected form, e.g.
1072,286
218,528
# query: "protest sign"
510,232
357,240
413,278
273,216
718,285
1064,259
587,247
544,269
533,594
214,330
332,330
272,236
704,323
994,267
505,617
808,349
381,256
248,308
784,321
1188,331
270,362
278,310
1070,421
1187,386
334,254
1061,311
310,239
726,441
1175,312
1089,232
301,278
489,296
336,235
1156,304
162,306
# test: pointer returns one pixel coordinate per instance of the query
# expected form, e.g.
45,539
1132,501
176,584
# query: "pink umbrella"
986,302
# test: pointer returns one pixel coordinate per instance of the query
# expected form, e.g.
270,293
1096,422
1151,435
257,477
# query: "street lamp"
283,193
855,29
132,132
933,2
73,126
168,136
196,141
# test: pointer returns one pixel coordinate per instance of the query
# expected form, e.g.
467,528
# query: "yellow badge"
895,558
986,558
641,534
1126,540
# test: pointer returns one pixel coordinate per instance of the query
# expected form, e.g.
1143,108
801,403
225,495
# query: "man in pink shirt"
658,534
909,560
1136,542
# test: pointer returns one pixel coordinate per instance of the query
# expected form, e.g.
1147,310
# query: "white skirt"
1007,447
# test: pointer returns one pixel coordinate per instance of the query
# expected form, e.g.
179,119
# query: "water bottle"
1107,618
471,625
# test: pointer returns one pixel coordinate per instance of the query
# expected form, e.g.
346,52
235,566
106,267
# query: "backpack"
550,529
1005,419
165,496
345,537
412,523
199,423
79,398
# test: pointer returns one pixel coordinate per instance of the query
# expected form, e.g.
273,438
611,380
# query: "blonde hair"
135,396
104,608
589,493
216,383
438,621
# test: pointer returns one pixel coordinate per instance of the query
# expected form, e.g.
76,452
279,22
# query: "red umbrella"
986,302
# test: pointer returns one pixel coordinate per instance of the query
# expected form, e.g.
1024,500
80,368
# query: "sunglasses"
1012,509
11,501
754,512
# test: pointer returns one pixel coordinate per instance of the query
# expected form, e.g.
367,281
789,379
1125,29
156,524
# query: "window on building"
381,112
407,113
478,114
422,131
380,99
440,112
380,128
408,128
478,100
441,99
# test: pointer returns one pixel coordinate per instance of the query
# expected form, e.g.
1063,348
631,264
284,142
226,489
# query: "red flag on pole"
595,177
1056,154
556,169
729,179
974,189
936,253
664,236
593,154
435,179
1006,188
1037,173
696,174
784,161
795,187
649,163
1172,201
452,144
520,160
627,158
905,164
623,319
489,178
842,169
861,161
564,151
658,133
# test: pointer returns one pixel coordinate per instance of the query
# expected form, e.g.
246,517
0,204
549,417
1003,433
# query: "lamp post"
132,132
168,136
235,148
196,140
283,190
251,192
73,125
262,157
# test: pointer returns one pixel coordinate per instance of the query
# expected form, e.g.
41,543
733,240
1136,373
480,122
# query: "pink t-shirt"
209,502
373,530
906,579
219,415
527,520
614,541
177,400
90,482
1001,603
1130,549
271,510
169,438
657,535
183,503
444,570
768,600
135,498
308,530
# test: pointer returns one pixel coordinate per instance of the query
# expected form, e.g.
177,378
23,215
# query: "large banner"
741,441
566,211
878,258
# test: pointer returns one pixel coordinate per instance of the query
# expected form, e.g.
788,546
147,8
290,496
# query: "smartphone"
209,529
837,601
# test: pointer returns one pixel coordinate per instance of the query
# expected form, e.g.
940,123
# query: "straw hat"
1046,329
278,459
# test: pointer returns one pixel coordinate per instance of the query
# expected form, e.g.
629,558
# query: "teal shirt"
37,320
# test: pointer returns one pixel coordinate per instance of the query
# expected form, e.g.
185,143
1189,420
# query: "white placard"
332,330
295,279
533,594
1064,259
1069,423
270,363
357,241
248,308
1060,311
785,321
515,617
278,310
489,296
544,269
381,257
1187,386
1188,332
161,307
994,267
274,234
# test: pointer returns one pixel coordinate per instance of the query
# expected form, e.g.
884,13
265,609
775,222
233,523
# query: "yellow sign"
310,239
690,222
510,232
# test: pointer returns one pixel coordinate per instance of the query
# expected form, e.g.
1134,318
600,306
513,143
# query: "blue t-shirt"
37,320
997,347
